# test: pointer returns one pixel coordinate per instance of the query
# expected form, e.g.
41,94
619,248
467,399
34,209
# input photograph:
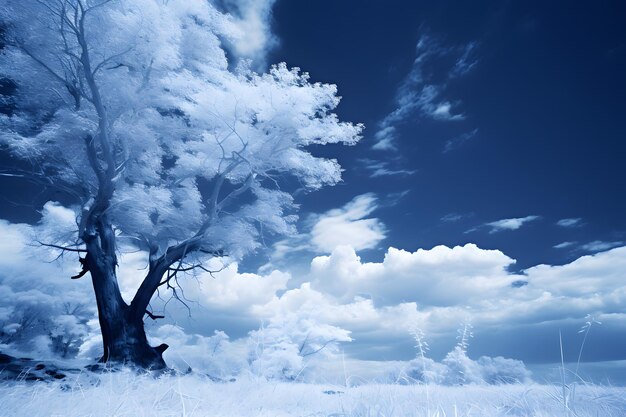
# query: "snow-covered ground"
126,394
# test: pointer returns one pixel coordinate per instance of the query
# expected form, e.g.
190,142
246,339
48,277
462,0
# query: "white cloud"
251,22
224,289
466,62
458,141
379,168
444,286
569,222
599,245
357,315
564,245
232,290
505,224
440,276
348,226
434,289
421,92
454,217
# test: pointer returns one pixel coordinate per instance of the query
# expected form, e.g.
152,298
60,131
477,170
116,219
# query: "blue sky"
535,124
489,184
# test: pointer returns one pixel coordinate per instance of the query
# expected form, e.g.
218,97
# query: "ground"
127,394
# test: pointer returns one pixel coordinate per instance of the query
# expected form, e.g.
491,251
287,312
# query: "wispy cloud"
459,141
379,168
454,217
564,245
599,246
466,62
505,224
570,222
349,225
422,91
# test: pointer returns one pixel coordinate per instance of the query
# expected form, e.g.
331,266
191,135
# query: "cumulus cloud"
422,93
505,224
424,276
231,290
446,285
359,315
349,225
376,302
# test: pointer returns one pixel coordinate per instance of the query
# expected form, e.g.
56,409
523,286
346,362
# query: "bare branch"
63,248
237,192
317,350
154,316
109,59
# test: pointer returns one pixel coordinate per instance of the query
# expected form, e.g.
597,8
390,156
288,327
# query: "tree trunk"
123,334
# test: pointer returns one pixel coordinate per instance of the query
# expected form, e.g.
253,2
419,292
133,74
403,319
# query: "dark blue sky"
545,99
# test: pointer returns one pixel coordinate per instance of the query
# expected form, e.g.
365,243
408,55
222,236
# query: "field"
126,394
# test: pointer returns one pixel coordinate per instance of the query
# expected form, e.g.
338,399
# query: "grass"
127,394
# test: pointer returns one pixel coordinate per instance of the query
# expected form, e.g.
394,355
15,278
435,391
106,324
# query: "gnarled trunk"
123,334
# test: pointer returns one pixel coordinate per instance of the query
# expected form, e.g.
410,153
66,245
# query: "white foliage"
501,370
179,121
285,347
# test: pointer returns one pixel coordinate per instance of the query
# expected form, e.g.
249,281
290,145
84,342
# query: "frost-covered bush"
460,369
288,348
457,368
423,369
45,328
216,356
285,349
501,370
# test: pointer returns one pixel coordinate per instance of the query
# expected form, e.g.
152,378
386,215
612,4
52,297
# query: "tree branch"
64,248
154,316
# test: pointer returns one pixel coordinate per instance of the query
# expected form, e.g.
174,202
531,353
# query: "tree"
130,108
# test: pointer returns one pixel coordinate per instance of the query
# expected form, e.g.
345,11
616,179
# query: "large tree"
131,108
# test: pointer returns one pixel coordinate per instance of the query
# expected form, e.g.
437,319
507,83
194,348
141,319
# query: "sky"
488,185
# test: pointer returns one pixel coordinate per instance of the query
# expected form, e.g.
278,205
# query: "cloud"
251,24
564,245
569,222
466,62
348,226
357,315
379,168
599,245
454,217
505,224
445,285
377,302
459,141
231,290
434,289
422,92
424,276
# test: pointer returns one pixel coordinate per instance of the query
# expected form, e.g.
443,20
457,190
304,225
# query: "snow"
126,394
